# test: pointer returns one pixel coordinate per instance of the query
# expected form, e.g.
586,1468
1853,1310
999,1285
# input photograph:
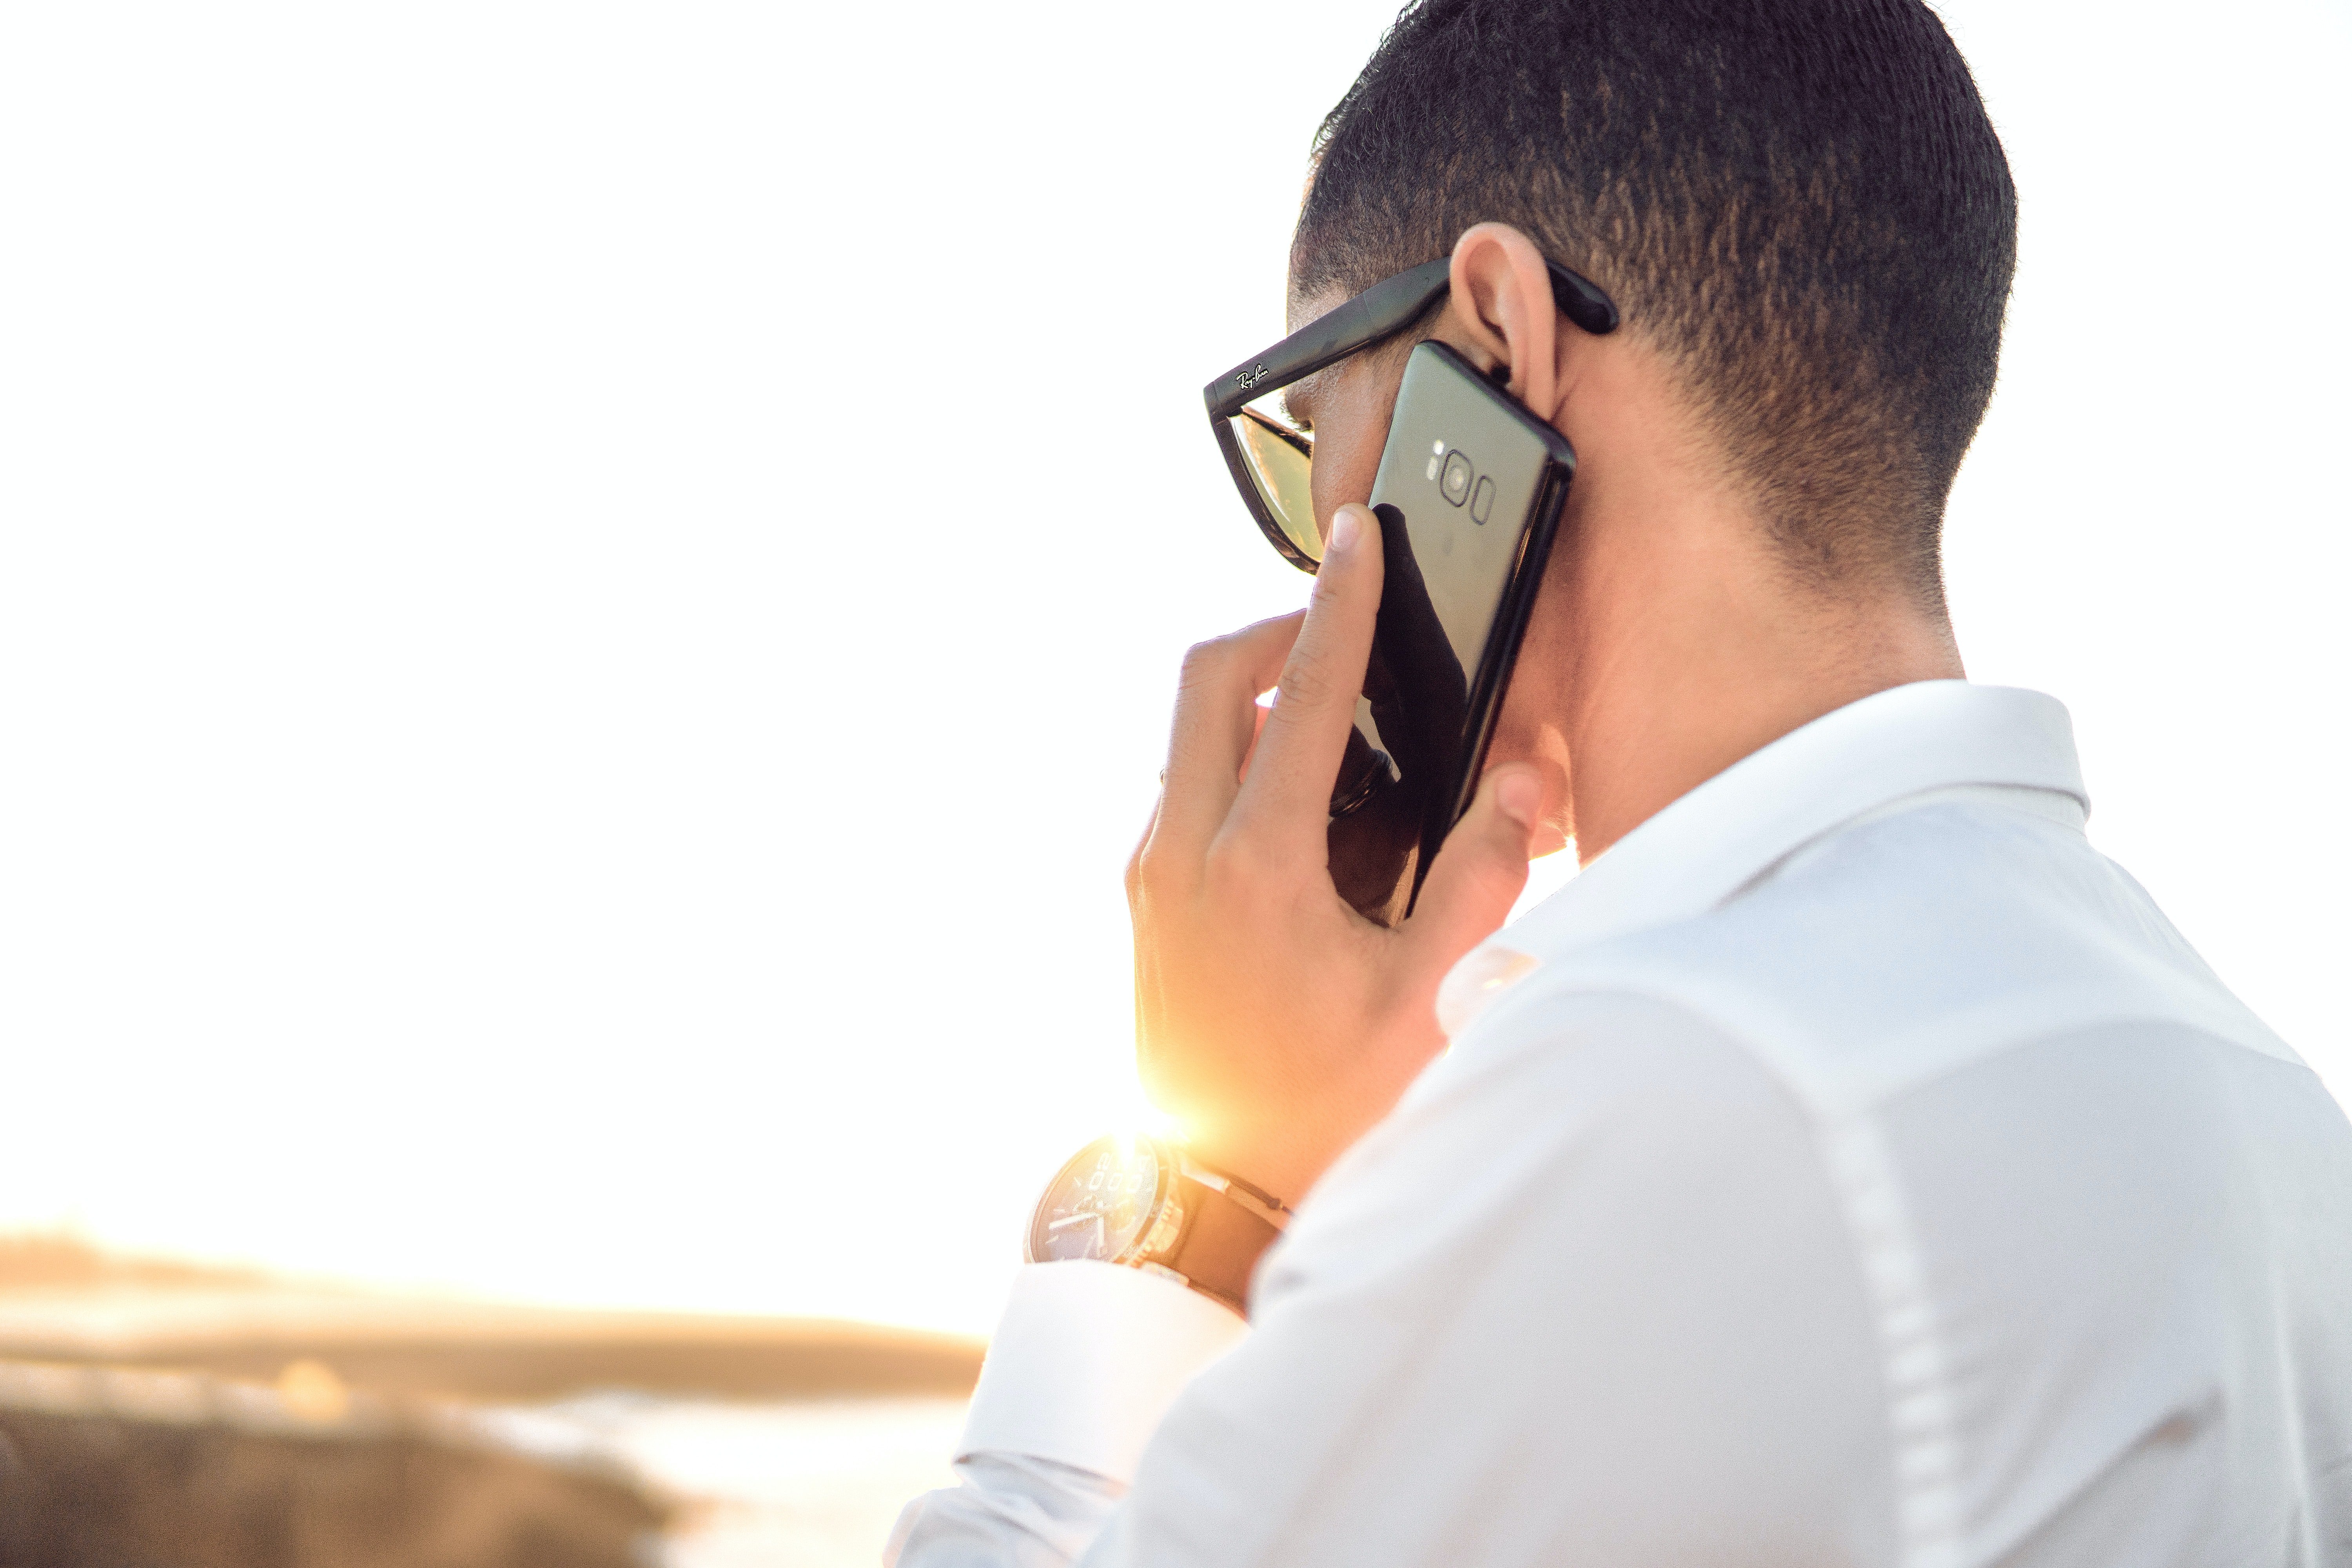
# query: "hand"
1272,1019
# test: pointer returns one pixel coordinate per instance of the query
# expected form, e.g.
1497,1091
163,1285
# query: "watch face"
1098,1207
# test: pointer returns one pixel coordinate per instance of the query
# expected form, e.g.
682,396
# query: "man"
1850,1165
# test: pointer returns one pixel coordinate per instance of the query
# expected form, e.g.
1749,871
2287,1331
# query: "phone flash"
1438,447
1433,467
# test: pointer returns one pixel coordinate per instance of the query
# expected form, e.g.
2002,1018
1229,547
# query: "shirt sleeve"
1008,1513
1085,1359
1587,1296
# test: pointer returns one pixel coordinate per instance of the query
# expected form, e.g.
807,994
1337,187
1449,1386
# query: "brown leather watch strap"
1222,1243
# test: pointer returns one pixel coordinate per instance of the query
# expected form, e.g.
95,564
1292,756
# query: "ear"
1503,307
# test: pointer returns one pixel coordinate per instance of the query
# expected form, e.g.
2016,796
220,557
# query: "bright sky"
588,595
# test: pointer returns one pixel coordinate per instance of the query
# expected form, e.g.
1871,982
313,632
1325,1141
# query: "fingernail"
1344,528
1519,796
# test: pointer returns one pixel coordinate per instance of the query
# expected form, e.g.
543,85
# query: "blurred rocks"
109,1468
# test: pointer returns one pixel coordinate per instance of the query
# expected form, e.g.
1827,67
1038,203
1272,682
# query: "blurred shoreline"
154,1411
61,1300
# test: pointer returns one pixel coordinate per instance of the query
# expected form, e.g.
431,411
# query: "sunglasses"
1271,460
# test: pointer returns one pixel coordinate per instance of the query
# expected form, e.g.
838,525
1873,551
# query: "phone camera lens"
1455,483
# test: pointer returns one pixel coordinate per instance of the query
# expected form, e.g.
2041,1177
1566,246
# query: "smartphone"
1469,495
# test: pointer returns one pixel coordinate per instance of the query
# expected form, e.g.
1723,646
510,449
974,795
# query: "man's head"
1800,206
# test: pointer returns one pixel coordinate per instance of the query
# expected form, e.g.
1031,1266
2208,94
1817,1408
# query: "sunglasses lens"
1282,461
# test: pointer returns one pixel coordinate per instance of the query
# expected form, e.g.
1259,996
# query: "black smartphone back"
1469,494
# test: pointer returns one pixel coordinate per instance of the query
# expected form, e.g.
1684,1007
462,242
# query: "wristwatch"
1138,1201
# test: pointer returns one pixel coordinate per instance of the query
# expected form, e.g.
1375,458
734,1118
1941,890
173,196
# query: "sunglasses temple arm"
1380,311
1581,301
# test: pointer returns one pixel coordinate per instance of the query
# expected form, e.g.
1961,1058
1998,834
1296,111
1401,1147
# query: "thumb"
1480,870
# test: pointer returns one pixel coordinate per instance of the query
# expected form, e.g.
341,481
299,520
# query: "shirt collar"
1713,841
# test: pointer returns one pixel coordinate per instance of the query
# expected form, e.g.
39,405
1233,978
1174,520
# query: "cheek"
1347,460
1351,428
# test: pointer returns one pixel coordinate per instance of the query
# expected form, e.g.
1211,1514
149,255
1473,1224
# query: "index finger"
1215,722
1287,796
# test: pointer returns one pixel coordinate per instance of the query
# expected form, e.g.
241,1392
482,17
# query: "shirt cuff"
1087,1359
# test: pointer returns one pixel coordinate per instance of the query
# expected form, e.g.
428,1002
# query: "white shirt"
1849,1166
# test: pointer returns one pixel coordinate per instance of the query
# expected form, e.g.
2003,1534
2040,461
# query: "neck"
1680,644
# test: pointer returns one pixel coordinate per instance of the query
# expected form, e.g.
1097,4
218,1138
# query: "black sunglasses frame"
1380,312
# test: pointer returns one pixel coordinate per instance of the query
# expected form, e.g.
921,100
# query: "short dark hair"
1800,202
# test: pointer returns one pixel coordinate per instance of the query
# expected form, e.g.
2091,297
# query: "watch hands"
1074,1219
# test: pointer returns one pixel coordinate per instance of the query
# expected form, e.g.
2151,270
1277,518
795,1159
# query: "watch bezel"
1164,1224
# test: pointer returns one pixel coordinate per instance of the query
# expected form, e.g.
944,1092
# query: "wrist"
1143,1203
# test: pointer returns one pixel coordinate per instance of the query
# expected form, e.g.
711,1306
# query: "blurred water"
810,1484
